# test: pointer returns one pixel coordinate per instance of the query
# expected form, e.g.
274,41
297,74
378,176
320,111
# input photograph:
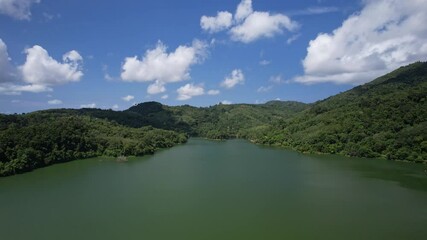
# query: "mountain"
385,118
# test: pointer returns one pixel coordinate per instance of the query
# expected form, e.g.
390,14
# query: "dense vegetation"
386,118
216,122
40,139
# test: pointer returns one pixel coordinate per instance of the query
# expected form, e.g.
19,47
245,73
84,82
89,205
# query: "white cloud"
72,56
108,77
115,107
278,79
222,21
18,9
264,89
249,25
385,34
315,11
128,98
236,77
7,71
39,73
293,38
244,9
226,102
156,88
261,25
89,105
54,102
213,92
165,96
188,91
264,62
161,67
13,89
40,68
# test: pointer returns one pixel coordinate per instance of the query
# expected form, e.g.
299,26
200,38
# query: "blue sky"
113,54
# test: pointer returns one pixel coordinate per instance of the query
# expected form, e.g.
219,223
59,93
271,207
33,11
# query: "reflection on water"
217,190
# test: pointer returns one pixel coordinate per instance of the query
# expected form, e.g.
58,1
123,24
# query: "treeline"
218,121
40,139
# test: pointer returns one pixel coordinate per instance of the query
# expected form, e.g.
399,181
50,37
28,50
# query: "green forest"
39,139
385,118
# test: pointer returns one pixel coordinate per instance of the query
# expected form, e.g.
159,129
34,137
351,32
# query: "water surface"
217,190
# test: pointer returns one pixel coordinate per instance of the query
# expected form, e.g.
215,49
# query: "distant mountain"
385,118
220,121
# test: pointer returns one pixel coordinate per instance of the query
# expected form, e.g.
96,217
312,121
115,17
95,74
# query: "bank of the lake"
217,190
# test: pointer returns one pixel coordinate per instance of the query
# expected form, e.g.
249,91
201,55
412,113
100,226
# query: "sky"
114,54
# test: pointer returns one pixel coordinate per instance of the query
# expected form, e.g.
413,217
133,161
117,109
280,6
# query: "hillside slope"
385,118
219,121
39,139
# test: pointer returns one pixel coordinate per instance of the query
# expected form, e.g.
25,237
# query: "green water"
217,190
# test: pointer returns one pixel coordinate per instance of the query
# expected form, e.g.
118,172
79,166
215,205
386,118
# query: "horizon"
115,55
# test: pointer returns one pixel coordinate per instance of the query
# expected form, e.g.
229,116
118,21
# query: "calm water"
217,190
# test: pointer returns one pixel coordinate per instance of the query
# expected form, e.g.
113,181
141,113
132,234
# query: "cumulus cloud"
7,71
40,68
385,34
222,21
115,107
39,72
89,105
226,102
156,88
236,77
188,91
213,92
249,25
18,9
54,102
165,96
261,25
128,98
161,67
244,9
72,56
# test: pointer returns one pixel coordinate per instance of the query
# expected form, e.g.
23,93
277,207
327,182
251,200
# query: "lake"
217,190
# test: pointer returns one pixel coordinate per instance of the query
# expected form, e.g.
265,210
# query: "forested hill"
218,121
385,118
39,139
42,138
